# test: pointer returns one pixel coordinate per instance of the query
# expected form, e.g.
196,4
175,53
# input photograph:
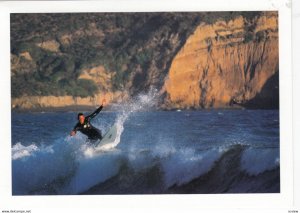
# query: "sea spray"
43,169
69,165
142,102
102,162
157,152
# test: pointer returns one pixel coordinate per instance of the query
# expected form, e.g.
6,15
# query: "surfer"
84,126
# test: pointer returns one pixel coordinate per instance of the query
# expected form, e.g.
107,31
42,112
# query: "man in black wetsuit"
85,127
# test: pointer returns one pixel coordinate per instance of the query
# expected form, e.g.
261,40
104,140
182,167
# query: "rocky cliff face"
224,63
196,60
227,63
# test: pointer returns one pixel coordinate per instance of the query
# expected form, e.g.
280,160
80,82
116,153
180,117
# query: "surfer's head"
80,118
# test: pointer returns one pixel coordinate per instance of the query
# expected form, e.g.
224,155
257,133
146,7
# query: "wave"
20,151
160,169
185,172
229,174
70,166
40,170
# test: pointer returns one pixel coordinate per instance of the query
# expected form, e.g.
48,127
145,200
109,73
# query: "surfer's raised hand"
72,133
103,101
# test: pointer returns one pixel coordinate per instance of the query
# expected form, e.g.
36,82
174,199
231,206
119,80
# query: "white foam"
255,161
185,164
143,101
92,171
41,166
20,151
120,127
84,166
100,163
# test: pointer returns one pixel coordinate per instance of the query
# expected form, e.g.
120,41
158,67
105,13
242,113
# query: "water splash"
71,166
142,102
102,162
20,151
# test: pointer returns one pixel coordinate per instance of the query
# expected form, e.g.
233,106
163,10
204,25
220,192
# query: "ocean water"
156,152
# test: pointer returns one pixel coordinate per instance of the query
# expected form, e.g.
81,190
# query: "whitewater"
208,151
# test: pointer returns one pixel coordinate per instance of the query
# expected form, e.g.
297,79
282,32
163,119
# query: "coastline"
72,108
85,108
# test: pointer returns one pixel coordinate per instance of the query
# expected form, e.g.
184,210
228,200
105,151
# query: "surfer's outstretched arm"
96,111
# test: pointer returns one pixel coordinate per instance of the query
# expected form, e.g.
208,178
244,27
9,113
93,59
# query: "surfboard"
109,137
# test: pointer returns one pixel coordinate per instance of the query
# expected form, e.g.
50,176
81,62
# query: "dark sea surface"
157,152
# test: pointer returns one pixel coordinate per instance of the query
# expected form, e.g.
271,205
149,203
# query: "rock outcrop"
226,63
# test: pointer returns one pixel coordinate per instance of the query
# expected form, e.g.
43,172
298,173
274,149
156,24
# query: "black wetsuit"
88,129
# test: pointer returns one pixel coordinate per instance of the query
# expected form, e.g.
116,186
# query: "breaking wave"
161,170
71,166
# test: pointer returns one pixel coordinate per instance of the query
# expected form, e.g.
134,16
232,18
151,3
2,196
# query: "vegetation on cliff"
51,52
60,46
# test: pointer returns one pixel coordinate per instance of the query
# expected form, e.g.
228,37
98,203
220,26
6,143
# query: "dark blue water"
158,152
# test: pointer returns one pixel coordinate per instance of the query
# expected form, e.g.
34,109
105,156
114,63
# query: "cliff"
196,60
227,63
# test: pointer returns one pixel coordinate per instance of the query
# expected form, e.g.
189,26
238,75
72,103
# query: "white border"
296,98
280,202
